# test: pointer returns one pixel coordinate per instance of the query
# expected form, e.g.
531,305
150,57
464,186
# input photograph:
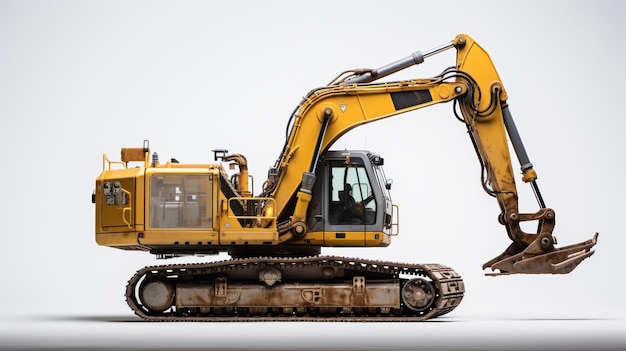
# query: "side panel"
178,210
119,208
288,295
189,212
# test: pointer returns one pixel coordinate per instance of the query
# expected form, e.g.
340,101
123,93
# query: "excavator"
316,197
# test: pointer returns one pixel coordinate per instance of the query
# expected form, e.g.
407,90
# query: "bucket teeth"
559,261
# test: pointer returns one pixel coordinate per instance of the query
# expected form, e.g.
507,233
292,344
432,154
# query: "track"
319,288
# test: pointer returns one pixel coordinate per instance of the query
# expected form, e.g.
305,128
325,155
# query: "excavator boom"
477,91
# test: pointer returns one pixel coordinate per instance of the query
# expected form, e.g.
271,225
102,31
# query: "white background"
83,78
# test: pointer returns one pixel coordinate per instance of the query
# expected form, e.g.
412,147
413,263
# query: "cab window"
351,196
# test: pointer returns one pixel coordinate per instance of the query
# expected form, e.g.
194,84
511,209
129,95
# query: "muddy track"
448,288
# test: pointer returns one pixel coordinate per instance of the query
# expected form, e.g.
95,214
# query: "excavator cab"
351,202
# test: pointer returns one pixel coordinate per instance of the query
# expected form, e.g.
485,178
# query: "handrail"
106,163
128,209
395,220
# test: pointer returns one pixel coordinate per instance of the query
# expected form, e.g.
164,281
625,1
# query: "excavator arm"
480,102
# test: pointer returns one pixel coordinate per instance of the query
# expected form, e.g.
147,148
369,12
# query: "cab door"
351,201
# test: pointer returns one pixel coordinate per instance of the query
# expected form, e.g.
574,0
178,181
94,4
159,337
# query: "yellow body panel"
186,208
252,236
348,239
117,210
117,239
179,237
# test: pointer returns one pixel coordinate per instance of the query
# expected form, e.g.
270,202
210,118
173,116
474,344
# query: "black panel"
236,206
404,99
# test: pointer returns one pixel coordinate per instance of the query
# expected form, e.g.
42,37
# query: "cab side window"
351,196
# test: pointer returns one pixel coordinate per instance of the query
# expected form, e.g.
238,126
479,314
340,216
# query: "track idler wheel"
418,294
156,294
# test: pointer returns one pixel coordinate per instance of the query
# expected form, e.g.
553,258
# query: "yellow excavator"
315,197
